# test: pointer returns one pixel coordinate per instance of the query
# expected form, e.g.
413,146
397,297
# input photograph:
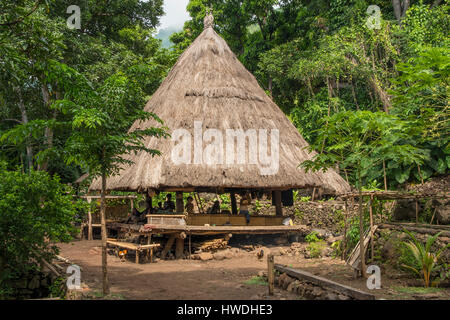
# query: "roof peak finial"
208,21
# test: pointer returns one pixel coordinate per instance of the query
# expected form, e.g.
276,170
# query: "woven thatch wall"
209,84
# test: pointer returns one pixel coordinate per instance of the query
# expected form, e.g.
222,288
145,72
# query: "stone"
343,297
34,283
405,209
443,214
220,256
332,296
262,273
204,256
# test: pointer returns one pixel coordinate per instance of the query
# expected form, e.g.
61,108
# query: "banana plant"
425,259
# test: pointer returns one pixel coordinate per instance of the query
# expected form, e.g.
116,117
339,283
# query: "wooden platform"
136,247
205,230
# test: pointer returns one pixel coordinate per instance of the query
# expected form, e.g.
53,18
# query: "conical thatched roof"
208,84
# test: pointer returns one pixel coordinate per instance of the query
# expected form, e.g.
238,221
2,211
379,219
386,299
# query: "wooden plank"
320,281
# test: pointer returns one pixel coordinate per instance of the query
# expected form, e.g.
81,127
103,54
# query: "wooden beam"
234,209
89,223
278,206
320,281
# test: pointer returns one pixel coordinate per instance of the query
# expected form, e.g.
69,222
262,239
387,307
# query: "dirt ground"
229,279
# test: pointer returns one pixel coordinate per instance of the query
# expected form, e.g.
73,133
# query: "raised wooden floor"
205,230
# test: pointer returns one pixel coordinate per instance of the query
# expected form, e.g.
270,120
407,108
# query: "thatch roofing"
209,84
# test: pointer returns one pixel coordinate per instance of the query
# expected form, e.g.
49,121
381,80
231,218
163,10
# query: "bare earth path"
209,280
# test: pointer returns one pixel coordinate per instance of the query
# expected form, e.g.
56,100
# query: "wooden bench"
136,247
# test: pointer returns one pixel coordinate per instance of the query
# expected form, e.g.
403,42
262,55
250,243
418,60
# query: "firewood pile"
211,245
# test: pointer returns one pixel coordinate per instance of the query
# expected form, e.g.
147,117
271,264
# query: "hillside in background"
164,35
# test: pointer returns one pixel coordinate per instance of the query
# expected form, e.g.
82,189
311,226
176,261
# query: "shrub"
426,262
36,211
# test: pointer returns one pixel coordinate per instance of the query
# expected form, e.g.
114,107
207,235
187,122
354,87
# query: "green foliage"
257,280
361,140
312,237
37,211
426,261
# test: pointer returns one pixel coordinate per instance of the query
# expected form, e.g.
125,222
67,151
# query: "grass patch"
256,280
418,290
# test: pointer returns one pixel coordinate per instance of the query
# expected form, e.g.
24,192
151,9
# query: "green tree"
101,139
359,142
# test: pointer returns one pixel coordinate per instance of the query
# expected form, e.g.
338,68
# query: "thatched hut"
210,96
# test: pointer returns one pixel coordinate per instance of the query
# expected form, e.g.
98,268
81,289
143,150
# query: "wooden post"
270,272
278,206
371,224
179,202
168,246
137,256
148,200
417,211
189,246
345,230
233,203
179,246
313,194
89,220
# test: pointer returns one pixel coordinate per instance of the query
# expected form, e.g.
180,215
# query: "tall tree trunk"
24,115
103,222
400,8
48,131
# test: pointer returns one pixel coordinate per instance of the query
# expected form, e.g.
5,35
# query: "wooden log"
168,246
270,272
234,209
278,206
322,282
430,231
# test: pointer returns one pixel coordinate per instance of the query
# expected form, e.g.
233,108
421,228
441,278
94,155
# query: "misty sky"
175,14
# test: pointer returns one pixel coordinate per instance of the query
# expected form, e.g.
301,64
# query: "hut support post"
179,245
278,206
179,203
233,203
89,220
168,246
148,200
